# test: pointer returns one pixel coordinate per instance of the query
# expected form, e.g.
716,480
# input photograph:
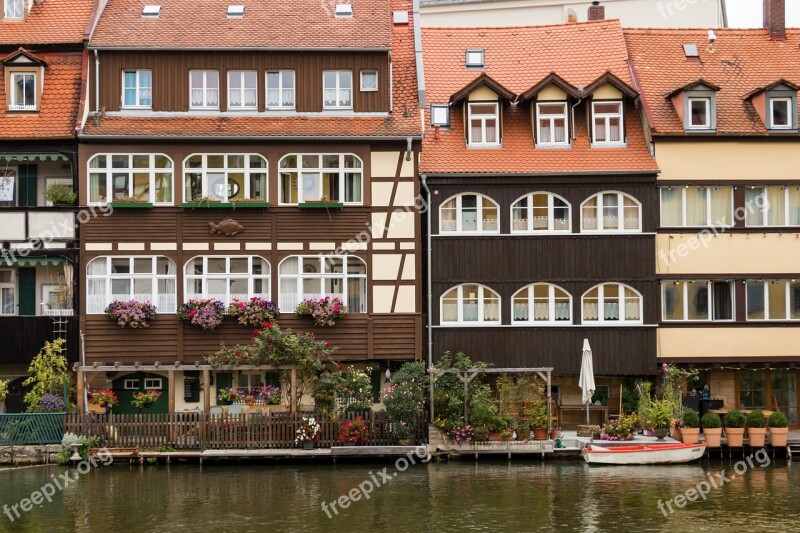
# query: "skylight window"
691,50
475,59
151,10
344,10
235,10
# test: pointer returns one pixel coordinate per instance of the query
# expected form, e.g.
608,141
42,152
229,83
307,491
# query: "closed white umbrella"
586,381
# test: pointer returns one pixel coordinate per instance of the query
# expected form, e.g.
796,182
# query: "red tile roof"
265,24
739,62
58,110
49,22
519,58
404,120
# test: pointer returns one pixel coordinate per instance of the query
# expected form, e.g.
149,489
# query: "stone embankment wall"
29,455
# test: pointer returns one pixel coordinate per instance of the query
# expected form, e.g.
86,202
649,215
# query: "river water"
554,495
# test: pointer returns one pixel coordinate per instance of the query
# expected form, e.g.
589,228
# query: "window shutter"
273,378
27,291
376,385
224,380
27,185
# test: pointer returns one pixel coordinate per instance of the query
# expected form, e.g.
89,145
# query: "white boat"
645,454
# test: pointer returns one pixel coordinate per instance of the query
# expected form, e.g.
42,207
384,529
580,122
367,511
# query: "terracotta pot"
494,436
675,433
713,437
756,437
690,435
554,434
778,437
735,437
251,403
539,433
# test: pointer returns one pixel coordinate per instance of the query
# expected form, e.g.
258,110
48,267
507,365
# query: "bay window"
542,303
469,213
551,124
303,277
318,177
242,89
700,300
280,89
146,279
337,86
227,278
8,293
688,206
772,206
225,177
541,211
607,123
141,177
611,211
773,300
137,89
23,91
470,303
483,124
204,89
612,303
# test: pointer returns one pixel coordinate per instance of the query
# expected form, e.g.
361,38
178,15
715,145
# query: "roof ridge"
521,27
655,31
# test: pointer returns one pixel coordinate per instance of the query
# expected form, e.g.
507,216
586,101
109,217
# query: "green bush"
59,194
756,419
691,418
778,420
711,421
734,419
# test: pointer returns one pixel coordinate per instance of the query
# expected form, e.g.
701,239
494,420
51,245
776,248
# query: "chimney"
775,18
596,11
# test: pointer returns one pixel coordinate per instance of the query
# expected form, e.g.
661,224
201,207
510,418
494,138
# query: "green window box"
225,205
321,205
131,205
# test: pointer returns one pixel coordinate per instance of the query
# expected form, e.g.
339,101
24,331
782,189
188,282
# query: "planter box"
320,205
130,205
225,205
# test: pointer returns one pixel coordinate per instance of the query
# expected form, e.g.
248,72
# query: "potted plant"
269,395
131,314
538,420
461,434
658,414
325,311
499,425
778,429
255,312
690,432
712,430
249,399
616,430
227,396
307,433
734,428
106,399
506,435
206,313
756,428
145,399
354,432
59,194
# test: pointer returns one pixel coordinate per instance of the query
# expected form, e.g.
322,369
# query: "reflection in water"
456,496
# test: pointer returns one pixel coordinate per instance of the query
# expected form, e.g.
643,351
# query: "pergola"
469,374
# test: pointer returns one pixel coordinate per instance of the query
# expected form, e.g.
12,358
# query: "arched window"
303,277
470,303
315,177
151,279
225,278
142,177
225,177
613,303
611,211
469,213
541,212
542,303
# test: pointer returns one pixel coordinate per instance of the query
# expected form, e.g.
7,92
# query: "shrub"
756,419
711,421
691,419
354,431
3,389
404,398
734,419
615,431
778,420
51,403
59,194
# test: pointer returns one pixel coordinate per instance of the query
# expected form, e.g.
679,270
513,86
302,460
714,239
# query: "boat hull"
644,455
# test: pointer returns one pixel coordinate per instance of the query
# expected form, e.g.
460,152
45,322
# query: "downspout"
409,146
96,82
83,363
428,286
573,116
391,83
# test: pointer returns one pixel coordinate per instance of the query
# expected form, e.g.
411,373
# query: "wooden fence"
221,431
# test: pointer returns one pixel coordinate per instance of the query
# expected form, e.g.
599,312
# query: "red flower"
192,313
241,305
341,367
328,345
256,332
268,325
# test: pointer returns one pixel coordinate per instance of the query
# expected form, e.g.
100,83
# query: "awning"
31,261
33,157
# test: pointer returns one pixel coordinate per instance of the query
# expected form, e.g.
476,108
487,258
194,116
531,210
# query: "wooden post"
206,390
292,400
81,393
171,403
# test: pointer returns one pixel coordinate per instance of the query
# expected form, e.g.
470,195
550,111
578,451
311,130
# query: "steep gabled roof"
692,85
21,52
551,79
609,78
50,22
771,86
481,81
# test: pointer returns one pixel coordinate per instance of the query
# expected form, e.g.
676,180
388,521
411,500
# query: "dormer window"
696,104
699,113
483,124
14,9
607,121
23,91
780,113
475,59
551,124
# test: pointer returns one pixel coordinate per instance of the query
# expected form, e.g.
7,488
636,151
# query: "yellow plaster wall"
730,161
725,343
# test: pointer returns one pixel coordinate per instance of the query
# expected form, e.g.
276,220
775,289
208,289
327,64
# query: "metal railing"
31,428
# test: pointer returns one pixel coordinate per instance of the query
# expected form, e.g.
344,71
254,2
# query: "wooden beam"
206,390
81,393
293,399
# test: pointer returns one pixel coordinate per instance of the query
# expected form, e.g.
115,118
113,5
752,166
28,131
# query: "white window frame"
189,277
601,320
14,9
684,212
138,88
551,303
765,206
483,118
108,172
130,384
12,286
787,301
242,90
475,58
684,284
790,112
281,89
620,210
707,124
338,90
307,176
361,80
482,298
551,118
13,105
289,301
529,213
607,123
440,108
153,383
208,173
108,277
459,212
205,89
